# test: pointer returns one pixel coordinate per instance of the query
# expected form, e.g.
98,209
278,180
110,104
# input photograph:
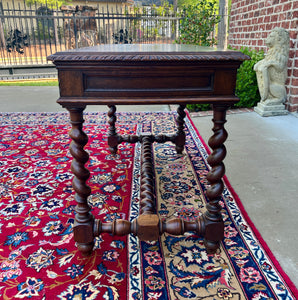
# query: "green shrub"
246,84
197,23
198,107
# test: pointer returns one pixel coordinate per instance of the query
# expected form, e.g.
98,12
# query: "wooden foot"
213,234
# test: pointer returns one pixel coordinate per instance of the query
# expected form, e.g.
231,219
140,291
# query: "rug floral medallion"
38,257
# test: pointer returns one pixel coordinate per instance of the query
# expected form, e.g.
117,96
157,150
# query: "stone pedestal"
270,110
272,73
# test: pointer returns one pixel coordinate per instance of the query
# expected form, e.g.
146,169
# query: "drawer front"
147,82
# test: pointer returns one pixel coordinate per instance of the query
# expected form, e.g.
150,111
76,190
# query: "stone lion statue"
272,70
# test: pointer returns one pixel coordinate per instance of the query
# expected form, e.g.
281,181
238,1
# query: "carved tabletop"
147,74
161,74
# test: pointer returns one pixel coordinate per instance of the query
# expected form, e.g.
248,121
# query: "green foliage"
165,9
246,85
48,3
197,23
46,82
198,107
182,3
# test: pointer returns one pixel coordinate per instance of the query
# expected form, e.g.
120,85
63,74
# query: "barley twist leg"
214,227
180,136
112,134
83,225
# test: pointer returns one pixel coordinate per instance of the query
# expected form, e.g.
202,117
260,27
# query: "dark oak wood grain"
147,74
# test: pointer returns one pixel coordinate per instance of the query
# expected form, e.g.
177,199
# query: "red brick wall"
250,23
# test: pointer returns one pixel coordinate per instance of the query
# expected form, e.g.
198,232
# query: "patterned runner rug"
38,258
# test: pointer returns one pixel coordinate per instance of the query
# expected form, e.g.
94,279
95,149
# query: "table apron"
143,83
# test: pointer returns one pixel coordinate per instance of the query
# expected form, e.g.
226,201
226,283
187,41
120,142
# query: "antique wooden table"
147,74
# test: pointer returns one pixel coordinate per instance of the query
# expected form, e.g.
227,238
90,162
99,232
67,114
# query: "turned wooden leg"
112,134
147,224
214,227
147,194
83,225
180,136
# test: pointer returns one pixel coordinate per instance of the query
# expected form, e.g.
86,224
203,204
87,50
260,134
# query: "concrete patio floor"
261,164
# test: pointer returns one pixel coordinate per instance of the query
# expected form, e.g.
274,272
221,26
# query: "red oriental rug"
38,258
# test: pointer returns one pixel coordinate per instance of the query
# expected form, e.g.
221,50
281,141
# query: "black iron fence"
29,33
